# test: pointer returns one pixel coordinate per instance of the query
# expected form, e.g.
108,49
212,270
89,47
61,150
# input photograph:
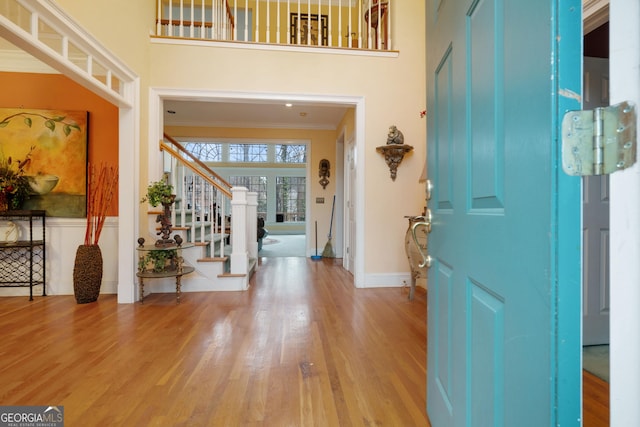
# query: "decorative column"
239,254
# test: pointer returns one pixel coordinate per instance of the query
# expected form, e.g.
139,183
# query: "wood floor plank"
595,396
301,347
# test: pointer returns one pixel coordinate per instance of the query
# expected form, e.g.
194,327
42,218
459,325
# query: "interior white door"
350,224
595,221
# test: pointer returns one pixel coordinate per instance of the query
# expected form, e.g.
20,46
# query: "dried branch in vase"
101,187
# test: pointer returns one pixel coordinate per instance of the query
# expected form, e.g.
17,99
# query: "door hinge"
599,141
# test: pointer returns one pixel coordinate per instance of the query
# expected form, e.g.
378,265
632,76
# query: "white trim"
624,324
47,11
594,14
387,280
249,125
158,95
129,195
277,47
359,136
127,99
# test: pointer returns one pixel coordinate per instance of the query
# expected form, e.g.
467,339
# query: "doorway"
595,214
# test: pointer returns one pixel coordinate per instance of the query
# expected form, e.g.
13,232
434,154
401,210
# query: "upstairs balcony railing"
356,24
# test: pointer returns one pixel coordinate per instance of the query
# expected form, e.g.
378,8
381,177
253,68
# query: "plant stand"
159,262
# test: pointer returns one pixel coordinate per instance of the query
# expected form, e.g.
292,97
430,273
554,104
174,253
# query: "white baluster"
309,22
360,44
330,42
170,26
246,20
257,20
191,29
379,27
159,18
278,21
213,20
320,33
288,22
222,223
235,20
340,22
297,36
268,38
388,25
181,28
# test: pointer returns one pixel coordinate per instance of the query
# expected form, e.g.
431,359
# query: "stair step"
213,259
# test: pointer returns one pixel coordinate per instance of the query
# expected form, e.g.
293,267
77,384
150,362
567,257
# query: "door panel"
595,220
496,345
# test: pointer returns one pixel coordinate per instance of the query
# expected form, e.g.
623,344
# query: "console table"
23,249
172,265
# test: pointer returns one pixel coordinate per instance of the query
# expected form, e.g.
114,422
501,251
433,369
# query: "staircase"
217,223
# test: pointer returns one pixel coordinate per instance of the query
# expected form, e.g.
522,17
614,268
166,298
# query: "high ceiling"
253,114
227,112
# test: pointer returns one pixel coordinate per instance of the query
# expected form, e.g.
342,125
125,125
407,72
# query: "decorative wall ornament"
324,173
395,150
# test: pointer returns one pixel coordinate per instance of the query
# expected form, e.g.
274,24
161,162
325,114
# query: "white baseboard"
387,280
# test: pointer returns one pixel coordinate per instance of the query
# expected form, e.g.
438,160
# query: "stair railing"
206,204
358,24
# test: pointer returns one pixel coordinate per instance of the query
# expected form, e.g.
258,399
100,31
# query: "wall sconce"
394,151
324,173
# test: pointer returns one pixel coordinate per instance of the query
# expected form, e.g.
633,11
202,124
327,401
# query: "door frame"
624,39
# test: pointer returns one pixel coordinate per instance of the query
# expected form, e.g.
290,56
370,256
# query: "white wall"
63,238
392,86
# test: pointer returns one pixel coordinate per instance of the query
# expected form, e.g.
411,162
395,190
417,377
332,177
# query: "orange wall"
53,91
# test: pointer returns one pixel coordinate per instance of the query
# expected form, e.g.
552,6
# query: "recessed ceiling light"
303,114
288,105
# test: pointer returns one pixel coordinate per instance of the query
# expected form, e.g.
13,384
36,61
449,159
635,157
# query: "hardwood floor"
302,347
595,395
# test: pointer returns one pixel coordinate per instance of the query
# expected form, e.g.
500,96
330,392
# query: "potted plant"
87,270
14,185
161,193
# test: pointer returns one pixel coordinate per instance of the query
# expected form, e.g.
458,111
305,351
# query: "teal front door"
504,283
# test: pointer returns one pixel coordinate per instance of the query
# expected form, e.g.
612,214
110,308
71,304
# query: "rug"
595,359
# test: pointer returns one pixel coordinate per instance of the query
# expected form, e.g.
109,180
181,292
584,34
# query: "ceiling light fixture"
288,105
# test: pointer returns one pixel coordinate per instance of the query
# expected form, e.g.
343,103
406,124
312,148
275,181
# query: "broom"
328,248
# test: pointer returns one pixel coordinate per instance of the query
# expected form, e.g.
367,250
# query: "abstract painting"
51,148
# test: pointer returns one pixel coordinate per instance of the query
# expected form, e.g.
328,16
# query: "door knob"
429,188
423,250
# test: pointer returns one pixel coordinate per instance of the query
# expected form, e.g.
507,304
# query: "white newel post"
252,224
239,254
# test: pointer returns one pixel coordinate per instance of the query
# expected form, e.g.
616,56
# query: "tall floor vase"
87,273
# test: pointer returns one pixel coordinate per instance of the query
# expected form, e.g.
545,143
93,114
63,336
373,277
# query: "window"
248,153
288,153
257,184
205,151
290,198
275,170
